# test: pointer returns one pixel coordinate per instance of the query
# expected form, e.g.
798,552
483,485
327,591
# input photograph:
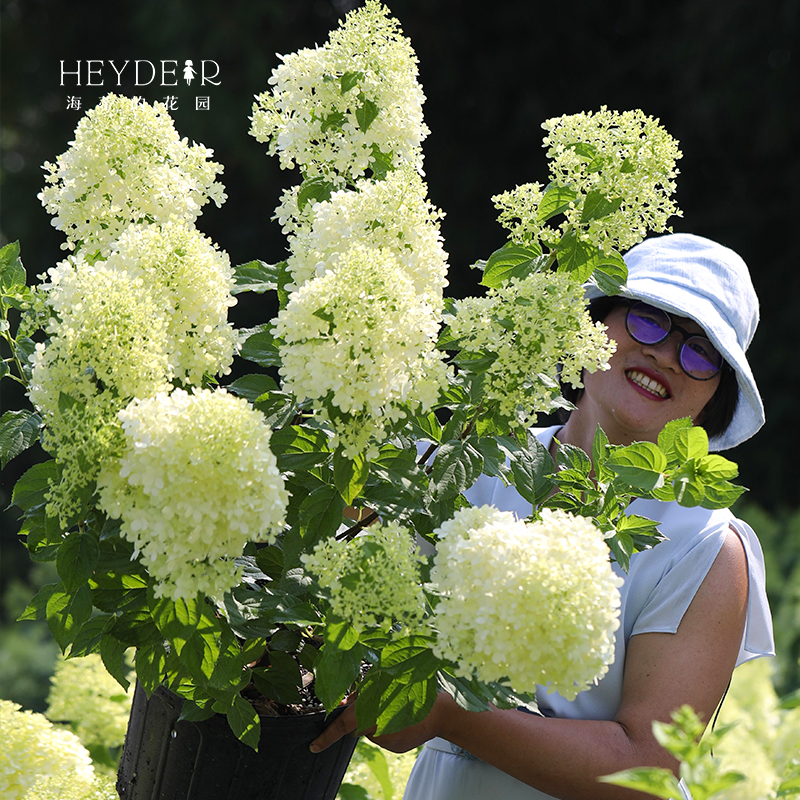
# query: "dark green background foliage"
722,78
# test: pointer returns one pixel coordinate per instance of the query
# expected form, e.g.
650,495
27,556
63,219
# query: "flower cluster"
33,749
191,279
519,212
126,165
196,482
360,339
374,579
626,157
507,323
334,109
394,214
108,343
84,694
536,603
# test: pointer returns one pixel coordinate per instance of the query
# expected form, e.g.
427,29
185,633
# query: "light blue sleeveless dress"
658,589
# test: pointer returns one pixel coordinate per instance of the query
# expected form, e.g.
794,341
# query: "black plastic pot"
167,759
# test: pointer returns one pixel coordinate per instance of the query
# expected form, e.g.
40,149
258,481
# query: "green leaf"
18,431
640,465
721,495
77,558
261,349
597,206
351,791
690,443
112,653
336,671
178,620
456,467
66,613
151,666
366,114
91,634
380,163
427,428
299,448
43,535
31,488
349,80
320,514
334,120
314,190
378,765
511,261
349,475
410,659
555,200
610,273
280,680
252,387
257,276
666,439
577,257
12,273
37,608
392,705
656,781
244,722
532,468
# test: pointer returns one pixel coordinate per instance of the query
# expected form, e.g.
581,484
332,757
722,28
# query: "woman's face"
645,387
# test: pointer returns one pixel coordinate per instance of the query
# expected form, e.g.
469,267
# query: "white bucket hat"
696,278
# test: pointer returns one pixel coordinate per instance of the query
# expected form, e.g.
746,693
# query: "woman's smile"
648,384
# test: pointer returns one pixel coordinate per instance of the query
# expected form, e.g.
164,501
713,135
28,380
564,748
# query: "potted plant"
258,543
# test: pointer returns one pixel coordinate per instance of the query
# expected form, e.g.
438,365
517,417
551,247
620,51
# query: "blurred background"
722,78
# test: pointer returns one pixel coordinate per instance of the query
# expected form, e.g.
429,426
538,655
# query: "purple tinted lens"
648,325
700,358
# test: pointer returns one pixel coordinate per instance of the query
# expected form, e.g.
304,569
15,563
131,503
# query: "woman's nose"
667,351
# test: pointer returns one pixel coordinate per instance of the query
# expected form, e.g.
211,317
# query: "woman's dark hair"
718,411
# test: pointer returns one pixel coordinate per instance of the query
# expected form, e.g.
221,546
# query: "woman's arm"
564,757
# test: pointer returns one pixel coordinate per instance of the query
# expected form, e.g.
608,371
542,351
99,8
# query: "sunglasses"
698,358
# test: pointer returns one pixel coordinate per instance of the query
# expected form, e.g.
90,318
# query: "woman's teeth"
640,379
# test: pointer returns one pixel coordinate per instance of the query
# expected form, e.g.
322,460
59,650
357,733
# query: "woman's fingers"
343,725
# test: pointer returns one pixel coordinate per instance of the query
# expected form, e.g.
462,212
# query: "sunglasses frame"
631,304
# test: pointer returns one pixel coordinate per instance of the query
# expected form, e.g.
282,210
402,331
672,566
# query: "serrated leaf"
366,114
257,276
690,443
261,349
349,475
244,722
336,670
77,558
12,273
555,200
610,273
511,261
252,387
532,468
112,653
18,431
31,488
350,80
280,680
456,467
314,190
37,608
597,206
576,257
640,465
91,634
66,613
299,448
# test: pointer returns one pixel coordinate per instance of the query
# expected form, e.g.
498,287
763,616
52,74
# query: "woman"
692,608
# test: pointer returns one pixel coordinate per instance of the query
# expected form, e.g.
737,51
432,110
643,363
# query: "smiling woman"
692,608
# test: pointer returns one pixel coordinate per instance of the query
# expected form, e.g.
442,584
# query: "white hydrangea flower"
108,343
360,339
196,482
192,280
34,749
625,156
374,579
532,326
537,603
393,214
331,106
519,212
85,695
127,164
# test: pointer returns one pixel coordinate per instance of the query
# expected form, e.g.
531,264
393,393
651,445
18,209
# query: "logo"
141,72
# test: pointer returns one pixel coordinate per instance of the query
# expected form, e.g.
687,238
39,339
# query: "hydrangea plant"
259,540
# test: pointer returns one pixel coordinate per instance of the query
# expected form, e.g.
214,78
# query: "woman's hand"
400,742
